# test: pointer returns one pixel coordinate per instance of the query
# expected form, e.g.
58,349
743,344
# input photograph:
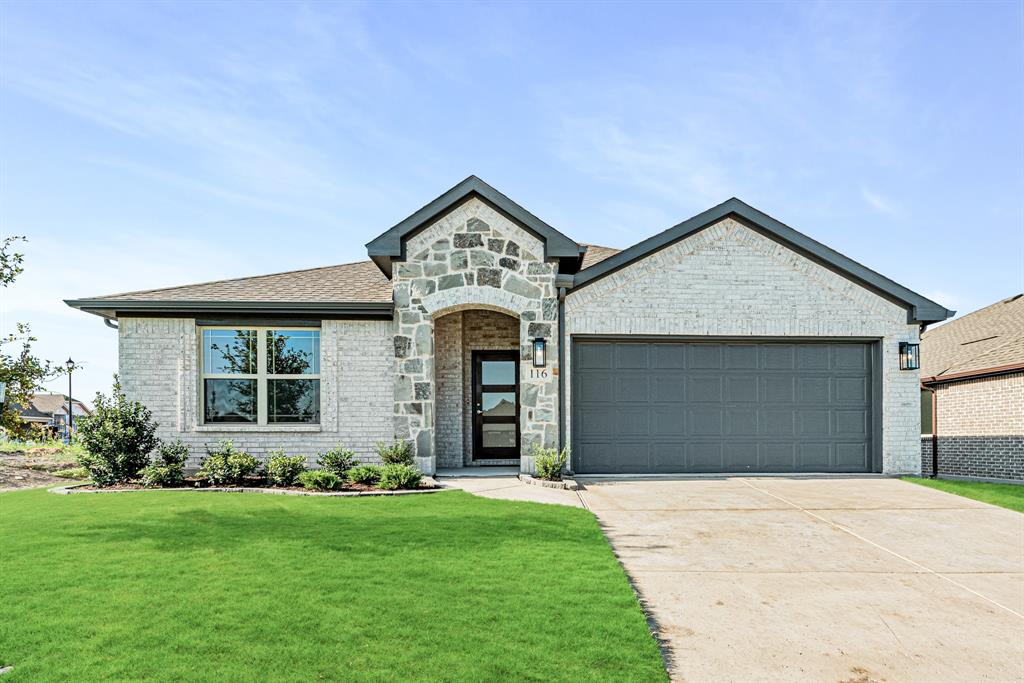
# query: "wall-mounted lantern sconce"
910,356
540,356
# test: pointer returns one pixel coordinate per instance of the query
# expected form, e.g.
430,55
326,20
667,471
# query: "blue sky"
146,145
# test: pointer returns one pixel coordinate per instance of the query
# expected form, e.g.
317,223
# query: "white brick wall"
729,280
158,359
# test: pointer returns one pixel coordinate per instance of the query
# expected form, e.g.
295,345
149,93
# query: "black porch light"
540,358
910,356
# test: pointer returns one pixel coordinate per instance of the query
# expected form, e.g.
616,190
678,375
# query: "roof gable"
919,308
390,245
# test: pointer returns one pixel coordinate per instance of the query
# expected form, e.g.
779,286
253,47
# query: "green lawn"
234,587
1005,495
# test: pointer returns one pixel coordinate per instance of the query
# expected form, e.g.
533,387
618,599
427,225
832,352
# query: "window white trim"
261,376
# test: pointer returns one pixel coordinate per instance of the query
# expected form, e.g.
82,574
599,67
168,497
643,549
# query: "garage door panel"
740,422
741,389
852,457
741,357
593,356
703,456
631,388
705,421
814,457
669,388
705,356
668,356
851,389
814,389
668,422
740,457
704,389
595,387
667,457
669,406
632,422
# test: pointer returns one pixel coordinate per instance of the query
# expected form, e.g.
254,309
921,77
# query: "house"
727,343
50,412
972,380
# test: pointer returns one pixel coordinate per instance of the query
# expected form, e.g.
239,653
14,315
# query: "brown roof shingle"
350,282
988,338
595,254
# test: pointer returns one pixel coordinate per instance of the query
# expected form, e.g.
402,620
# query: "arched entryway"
476,355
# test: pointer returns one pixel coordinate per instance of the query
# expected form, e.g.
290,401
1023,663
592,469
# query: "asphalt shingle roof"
596,254
988,338
360,282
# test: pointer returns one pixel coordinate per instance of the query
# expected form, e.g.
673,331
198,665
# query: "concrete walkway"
508,487
840,580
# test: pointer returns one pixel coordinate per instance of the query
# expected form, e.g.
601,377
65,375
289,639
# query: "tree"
21,371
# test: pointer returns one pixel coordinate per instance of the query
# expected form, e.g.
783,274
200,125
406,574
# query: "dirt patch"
13,478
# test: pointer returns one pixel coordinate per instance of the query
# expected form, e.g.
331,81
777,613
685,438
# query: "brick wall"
980,428
729,280
158,360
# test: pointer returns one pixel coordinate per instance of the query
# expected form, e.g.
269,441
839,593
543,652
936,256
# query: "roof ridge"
955,324
229,279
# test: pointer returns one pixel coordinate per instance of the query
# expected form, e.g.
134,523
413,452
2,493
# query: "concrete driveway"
826,579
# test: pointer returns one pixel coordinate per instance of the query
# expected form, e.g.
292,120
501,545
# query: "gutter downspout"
112,325
561,369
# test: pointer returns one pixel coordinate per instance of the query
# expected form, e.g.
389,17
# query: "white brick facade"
729,280
159,361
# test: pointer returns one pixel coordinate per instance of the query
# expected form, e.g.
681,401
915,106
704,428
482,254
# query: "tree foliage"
20,370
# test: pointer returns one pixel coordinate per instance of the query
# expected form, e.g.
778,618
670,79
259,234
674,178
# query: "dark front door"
495,405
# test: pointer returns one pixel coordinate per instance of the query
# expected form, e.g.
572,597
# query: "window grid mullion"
261,373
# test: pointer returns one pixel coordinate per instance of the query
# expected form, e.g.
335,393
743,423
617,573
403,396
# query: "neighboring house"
50,411
972,378
728,343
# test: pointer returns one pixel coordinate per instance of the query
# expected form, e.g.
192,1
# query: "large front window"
259,375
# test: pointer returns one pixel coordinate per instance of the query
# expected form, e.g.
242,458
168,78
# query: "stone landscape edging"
564,484
80,488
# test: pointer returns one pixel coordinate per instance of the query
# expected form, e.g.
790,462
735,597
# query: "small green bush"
396,453
320,480
168,469
549,463
227,465
399,477
338,460
118,438
367,475
72,473
162,476
283,470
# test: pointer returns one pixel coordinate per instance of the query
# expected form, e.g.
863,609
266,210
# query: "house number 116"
538,373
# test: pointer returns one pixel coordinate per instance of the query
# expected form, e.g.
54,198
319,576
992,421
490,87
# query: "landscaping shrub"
548,463
228,465
399,477
338,460
168,469
396,453
367,475
117,438
72,473
320,480
283,470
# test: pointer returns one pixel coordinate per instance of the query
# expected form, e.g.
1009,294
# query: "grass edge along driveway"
443,587
1009,496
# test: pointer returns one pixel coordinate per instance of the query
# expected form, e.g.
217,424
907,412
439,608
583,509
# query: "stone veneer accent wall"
980,429
729,280
472,258
456,336
159,361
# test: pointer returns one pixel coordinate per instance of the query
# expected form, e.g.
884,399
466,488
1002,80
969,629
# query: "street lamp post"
70,364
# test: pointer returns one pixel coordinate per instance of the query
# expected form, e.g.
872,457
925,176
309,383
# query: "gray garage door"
721,407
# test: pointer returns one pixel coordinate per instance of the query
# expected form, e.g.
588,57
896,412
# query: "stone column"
414,379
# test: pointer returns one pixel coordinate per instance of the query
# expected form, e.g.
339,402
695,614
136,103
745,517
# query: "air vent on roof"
1012,298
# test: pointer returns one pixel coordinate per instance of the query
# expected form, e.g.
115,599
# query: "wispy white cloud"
879,203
